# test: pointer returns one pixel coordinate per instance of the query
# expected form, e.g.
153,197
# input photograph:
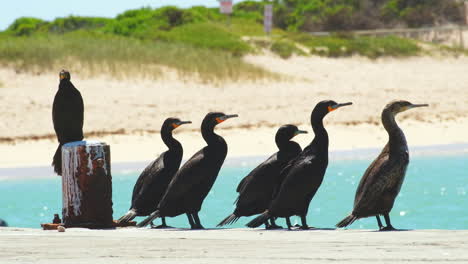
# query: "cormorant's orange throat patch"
331,109
219,120
174,125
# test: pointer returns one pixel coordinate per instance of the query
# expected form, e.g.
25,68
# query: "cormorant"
382,181
304,174
153,181
257,188
3,223
195,178
67,115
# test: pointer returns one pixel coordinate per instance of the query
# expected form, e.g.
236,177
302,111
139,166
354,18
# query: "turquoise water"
433,196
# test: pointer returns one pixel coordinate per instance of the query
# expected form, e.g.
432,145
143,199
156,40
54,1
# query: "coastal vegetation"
201,42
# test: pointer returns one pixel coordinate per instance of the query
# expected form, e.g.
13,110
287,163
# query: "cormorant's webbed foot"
273,224
304,225
196,219
388,228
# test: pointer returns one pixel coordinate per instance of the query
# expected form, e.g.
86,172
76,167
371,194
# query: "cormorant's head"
64,75
287,132
172,123
213,118
325,107
399,106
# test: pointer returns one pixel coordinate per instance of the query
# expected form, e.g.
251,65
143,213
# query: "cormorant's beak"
417,105
411,106
224,118
300,132
334,107
178,124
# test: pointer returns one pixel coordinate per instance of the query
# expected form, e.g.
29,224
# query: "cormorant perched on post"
382,181
257,188
67,115
153,181
304,174
195,178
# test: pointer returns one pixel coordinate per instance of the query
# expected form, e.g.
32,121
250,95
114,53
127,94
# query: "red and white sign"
268,18
225,6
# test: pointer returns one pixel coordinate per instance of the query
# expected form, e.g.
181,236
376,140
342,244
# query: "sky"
50,9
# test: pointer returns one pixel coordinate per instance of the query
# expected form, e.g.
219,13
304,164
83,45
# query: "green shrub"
72,23
205,35
25,26
285,49
340,45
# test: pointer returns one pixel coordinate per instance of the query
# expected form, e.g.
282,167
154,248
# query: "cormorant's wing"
261,183
146,178
372,184
293,188
186,178
58,118
68,115
242,183
258,172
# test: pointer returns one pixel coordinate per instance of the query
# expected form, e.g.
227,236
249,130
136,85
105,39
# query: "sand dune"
128,113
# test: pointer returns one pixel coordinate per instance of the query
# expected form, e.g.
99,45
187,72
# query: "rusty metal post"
86,185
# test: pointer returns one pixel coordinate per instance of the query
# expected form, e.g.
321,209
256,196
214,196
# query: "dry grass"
123,57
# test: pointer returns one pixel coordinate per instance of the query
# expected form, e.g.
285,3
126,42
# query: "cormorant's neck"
281,141
396,137
321,135
170,141
64,83
210,137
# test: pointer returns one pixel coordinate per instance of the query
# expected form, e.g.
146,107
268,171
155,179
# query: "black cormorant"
67,115
195,178
304,174
257,188
382,181
153,181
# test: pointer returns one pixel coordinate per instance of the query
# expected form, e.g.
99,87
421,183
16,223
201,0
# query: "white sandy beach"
127,114
131,245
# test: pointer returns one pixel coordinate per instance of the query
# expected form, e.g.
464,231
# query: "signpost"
225,7
466,12
268,18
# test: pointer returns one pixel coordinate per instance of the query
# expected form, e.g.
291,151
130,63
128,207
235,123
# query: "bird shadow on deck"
279,229
396,230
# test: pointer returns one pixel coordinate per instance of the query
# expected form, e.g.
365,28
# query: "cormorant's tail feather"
259,220
232,218
128,216
149,219
57,160
347,221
